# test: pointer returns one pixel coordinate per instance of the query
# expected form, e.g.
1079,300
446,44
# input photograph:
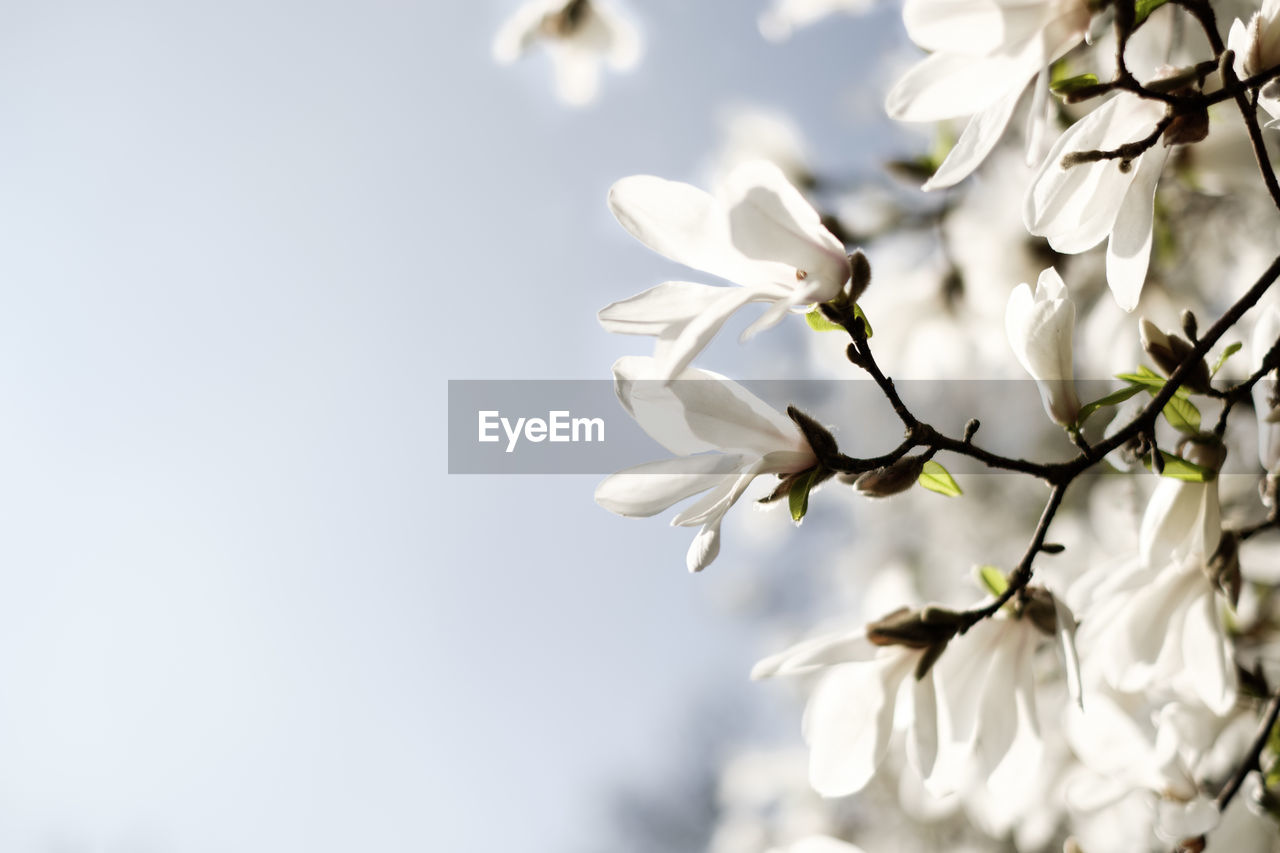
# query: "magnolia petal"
1066,650
922,743
1176,820
653,312
655,407
1206,655
648,489
687,225
712,506
769,220
972,27
997,712
827,650
702,410
1129,249
727,416
848,723
1173,515
698,332
949,85
980,136
705,547
780,308
1059,203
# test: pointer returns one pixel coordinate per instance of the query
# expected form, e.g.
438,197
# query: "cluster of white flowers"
1117,685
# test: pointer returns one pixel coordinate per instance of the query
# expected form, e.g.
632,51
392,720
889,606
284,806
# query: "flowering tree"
1112,683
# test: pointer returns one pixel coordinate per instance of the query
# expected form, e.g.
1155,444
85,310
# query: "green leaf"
993,579
1148,378
1226,354
819,322
1182,415
1177,468
1112,399
935,478
1073,84
858,312
1142,9
798,497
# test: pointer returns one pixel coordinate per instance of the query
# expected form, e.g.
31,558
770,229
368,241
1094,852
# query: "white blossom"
579,36
1257,49
702,411
1076,207
785,16
852,711
986,701
1040,327
759,232
983,56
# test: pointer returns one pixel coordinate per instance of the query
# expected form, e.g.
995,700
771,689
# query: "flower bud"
859,275
891,479
819,437
1169,351
905,627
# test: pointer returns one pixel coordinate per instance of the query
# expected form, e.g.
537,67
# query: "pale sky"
244,245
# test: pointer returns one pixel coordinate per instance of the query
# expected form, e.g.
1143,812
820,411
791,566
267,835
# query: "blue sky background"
243,246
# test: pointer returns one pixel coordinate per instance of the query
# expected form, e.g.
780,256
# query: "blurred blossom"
752,133
785,16
579,35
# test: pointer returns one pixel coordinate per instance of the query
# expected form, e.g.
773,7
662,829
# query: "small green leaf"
1073,84
1177,468
819,322
798,497
1142,9
1226,354
858,312
993,579
935,478
1148,378
1182,415
1112,399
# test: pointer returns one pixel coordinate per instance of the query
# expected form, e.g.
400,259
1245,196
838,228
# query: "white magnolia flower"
1161,629
1075,208
863,691
1265,336
700,412
986,700
983,56
1257,49
785,16
579,36
1123,748
1040,327
759,233
750,133
1183,520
